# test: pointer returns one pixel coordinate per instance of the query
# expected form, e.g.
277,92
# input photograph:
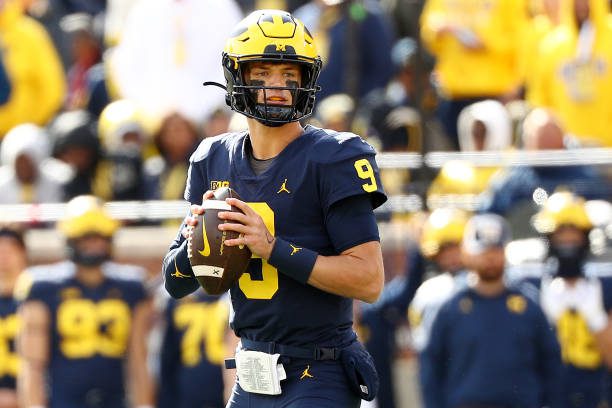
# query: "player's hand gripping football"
250,225
192,220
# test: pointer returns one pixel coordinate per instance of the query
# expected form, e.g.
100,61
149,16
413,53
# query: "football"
216,266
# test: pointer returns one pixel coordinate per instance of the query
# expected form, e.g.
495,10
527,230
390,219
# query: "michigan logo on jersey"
516,304
215,184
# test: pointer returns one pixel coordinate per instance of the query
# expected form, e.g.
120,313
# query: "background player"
309,222
577,305
489,345
82,320
13,260
441,243
192,352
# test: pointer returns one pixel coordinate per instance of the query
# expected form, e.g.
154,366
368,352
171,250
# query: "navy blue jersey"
490,351
90,329
193,351
294,197
9,361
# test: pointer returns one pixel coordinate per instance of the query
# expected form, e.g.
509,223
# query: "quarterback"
308,199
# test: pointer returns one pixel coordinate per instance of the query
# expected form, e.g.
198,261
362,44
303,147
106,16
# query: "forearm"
351,274
31,385
8,398
33,347
141,383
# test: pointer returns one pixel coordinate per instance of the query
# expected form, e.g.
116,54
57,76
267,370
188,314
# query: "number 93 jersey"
89,329
293,196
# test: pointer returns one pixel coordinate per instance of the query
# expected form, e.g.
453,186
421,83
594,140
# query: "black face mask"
87,259
570,259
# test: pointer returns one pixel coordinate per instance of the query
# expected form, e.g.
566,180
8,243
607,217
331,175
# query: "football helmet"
444,226
116,120
85,215
562,208
270,36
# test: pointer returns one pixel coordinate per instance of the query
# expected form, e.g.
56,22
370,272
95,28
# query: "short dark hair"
13,233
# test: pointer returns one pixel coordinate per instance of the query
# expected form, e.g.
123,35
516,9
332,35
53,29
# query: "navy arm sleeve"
351,222
432,363
179,279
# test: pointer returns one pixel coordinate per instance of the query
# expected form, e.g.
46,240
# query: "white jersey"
430,296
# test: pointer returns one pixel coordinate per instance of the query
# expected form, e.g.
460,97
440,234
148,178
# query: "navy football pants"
324,385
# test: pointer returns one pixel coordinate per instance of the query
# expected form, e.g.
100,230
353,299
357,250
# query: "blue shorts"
321,384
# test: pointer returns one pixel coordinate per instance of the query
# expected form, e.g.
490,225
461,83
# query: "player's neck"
267,142
489,288
7,286
89,276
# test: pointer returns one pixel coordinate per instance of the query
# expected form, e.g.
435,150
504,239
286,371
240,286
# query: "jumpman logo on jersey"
306,373
177,273
283,188
294,249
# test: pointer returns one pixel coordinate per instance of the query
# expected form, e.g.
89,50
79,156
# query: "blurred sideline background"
483,106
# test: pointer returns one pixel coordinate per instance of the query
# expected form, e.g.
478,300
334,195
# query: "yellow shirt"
574,79
490,71
33,67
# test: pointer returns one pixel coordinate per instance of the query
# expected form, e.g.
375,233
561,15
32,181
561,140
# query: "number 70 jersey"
293,196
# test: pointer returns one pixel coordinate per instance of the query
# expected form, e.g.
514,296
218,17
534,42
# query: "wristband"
295,262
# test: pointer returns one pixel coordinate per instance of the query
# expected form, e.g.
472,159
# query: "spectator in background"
405,14
75,142
50,13
28,175
476,48
543,18
483,126
574,76
13,261
541,131
115,17
336,112
165,174
122,135
33,67
489,344
354,38
578,306
218,122
86,52
392,113
163,56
